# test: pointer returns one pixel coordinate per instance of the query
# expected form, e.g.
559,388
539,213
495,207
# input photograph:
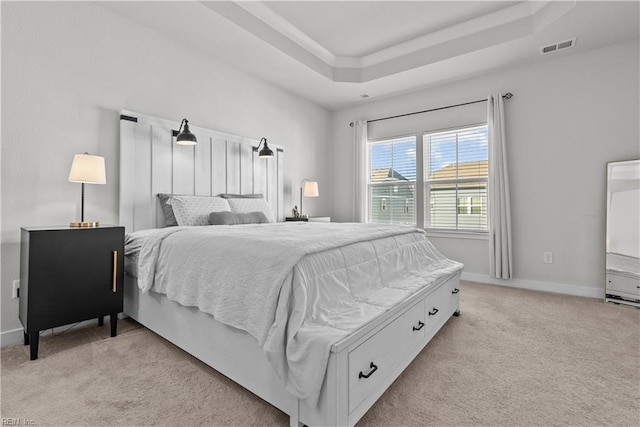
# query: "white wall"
68,68
570,115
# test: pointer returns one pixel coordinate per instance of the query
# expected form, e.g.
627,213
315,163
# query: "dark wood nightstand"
69,275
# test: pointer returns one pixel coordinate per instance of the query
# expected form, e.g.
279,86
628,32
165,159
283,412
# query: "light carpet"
513,358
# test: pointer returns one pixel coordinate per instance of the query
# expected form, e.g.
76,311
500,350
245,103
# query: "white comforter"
296,287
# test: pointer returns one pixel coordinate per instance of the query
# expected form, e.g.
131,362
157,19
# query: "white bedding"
296,287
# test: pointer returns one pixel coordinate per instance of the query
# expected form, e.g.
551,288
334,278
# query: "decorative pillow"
230,218
251,205
194,210
241,196
167,210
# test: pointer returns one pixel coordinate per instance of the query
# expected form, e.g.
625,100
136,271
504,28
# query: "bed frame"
361,366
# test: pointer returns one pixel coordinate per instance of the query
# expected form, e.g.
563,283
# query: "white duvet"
296,287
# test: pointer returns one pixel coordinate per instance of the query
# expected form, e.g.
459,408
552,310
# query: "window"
469,205
455,179
392,181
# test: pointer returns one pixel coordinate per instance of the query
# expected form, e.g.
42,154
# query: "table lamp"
87,169
308,188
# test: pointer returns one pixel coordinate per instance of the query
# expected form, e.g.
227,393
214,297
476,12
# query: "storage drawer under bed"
376,361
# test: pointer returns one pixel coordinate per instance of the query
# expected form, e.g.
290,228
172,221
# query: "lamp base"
84,224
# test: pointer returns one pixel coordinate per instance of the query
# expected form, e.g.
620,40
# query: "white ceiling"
359,28
331,52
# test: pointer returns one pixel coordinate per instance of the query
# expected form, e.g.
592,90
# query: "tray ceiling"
331,52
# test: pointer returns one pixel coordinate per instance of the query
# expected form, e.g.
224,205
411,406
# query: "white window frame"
448,232
419,204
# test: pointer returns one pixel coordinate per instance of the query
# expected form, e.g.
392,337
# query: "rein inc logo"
18,422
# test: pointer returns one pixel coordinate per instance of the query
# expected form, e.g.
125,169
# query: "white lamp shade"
88,169
310,189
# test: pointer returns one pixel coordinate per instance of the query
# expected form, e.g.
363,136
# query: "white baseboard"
536,285
16,335
10,337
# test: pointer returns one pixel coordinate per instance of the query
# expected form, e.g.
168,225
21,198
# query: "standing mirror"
623,233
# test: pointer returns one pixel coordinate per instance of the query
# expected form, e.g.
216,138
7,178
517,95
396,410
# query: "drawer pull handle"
455,291
420,326
115,272
373,369
435,310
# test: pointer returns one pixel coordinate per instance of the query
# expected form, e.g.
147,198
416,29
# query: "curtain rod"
508,95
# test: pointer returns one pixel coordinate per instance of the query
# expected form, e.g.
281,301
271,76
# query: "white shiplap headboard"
151,162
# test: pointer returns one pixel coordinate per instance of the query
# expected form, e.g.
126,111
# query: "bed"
320,359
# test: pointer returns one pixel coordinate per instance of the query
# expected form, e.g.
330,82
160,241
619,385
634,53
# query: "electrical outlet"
548,257
16,286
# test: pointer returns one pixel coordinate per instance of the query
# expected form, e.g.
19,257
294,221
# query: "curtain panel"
360,172
500,246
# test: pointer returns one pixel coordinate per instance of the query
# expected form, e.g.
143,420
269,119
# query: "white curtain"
500,257
360,172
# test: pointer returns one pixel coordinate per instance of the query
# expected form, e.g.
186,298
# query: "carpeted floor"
513,358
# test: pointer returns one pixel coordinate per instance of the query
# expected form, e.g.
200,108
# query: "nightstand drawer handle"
115,271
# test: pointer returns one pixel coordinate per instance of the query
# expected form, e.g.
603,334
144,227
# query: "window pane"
404,159
473,153
381,156
392,204
393,164
393,160
442,205
475,196
456,179
442,156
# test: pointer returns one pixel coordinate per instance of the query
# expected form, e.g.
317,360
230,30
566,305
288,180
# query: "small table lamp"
87,169
308,188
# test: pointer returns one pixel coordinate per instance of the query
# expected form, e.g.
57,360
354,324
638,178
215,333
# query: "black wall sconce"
265,151
185,137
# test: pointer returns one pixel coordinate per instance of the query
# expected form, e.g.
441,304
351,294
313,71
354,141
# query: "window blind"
391,183
455,182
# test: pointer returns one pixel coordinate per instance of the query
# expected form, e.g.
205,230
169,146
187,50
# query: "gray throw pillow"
231,218
167,210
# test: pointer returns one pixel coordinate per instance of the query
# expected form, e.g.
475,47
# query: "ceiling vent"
355,97
558,46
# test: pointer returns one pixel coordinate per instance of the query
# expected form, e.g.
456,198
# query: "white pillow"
195,210
251,205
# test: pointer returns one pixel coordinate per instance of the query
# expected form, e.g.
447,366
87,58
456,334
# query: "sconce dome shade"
186,137
265,151
88,169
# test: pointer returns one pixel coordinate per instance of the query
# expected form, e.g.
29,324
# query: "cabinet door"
72,273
